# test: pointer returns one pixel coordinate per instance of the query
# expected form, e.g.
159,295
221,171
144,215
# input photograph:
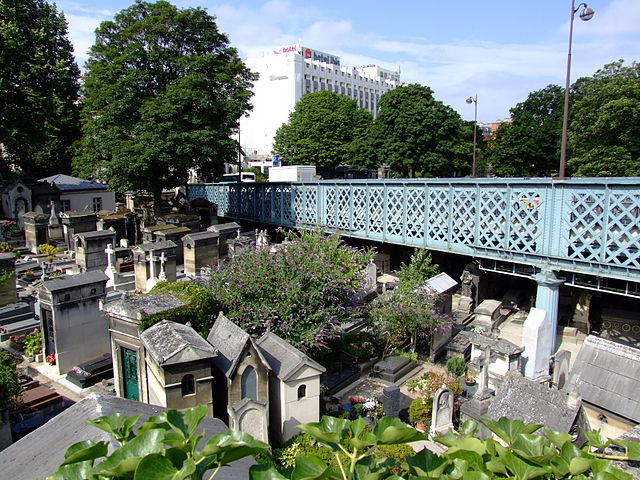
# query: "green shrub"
456,367
48,250
397,452
410,355
420,411
32,343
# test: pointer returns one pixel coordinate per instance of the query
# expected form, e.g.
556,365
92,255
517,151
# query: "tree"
604,134
414,133
321,130
301,292
163,93
38,89
530,144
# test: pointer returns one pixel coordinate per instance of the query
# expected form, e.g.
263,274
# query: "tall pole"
474,100
585,15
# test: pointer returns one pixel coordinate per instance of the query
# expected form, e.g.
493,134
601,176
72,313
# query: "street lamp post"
585,15
474,100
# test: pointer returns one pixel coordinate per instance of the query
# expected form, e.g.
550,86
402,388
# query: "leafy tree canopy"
604,133
163,93
414,133
301,292
530,145
321,130
38,89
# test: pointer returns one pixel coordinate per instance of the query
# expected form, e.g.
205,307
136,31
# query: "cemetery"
159,314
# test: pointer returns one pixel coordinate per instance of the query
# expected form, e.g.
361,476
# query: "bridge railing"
583,225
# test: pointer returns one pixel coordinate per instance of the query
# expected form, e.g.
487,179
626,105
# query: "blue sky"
500,50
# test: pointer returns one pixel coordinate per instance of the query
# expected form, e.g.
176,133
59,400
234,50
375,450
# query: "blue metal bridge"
586,226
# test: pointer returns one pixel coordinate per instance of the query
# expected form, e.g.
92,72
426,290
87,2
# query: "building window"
188,385
249,384
65,205
302,391
97,204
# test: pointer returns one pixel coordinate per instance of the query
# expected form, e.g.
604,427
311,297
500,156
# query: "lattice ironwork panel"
305,199
526,217
248,200
438,214
395,211
288,216
233,208
493,218
359,205
415,212
464,216
330,203
343,198
623,230
264,199
375,210
586,225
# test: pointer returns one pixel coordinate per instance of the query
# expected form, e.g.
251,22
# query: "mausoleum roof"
499,345
521,398
170,343
135,307
41,452
439,284
69,183
71,281
153,246
283,358
606,375
229,340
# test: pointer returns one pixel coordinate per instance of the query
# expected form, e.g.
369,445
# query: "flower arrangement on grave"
8,227
429,383
51,359
32,342
366,407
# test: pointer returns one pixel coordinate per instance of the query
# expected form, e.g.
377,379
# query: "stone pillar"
538,338
54,228
547,297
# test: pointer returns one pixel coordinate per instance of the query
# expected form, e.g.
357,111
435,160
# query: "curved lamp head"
470,100
586,14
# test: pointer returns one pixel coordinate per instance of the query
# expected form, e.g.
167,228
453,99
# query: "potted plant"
470,379
51,359
420,412
32,344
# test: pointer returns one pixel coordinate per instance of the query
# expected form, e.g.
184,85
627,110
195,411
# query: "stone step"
13,309
19,328
16,318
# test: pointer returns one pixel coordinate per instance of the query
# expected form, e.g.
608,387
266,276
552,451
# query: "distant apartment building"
287,73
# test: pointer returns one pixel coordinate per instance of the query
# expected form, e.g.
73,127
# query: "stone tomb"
394,368
200,250
175,235
77,222
154,262
487,314
73,328
35,230
505,356
90,249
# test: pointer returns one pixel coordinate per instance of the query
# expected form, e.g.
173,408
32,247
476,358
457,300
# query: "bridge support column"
547,297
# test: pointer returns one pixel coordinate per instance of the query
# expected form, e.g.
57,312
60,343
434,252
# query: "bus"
247,177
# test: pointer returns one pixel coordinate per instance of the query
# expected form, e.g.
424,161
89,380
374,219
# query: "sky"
499,50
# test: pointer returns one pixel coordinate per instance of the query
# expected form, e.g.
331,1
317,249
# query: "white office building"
287,73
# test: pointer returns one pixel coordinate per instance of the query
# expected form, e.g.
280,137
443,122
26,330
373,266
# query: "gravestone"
561,366
442,416
54,228
538,338
393,368
263,241
391,400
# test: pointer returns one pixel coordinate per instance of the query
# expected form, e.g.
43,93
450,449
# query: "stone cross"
483,362
162,277
111,257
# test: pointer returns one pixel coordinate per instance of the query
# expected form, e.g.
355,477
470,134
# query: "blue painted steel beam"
582,225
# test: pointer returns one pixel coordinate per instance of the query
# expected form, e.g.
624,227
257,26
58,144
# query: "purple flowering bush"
301,292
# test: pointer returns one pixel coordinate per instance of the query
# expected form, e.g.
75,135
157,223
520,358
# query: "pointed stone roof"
283,358
170,343
229,340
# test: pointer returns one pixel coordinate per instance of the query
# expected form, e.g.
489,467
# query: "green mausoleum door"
130,374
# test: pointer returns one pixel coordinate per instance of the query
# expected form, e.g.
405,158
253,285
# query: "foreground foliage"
9,387
167,447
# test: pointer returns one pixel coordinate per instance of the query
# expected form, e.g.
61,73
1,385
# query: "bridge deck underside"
589,226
